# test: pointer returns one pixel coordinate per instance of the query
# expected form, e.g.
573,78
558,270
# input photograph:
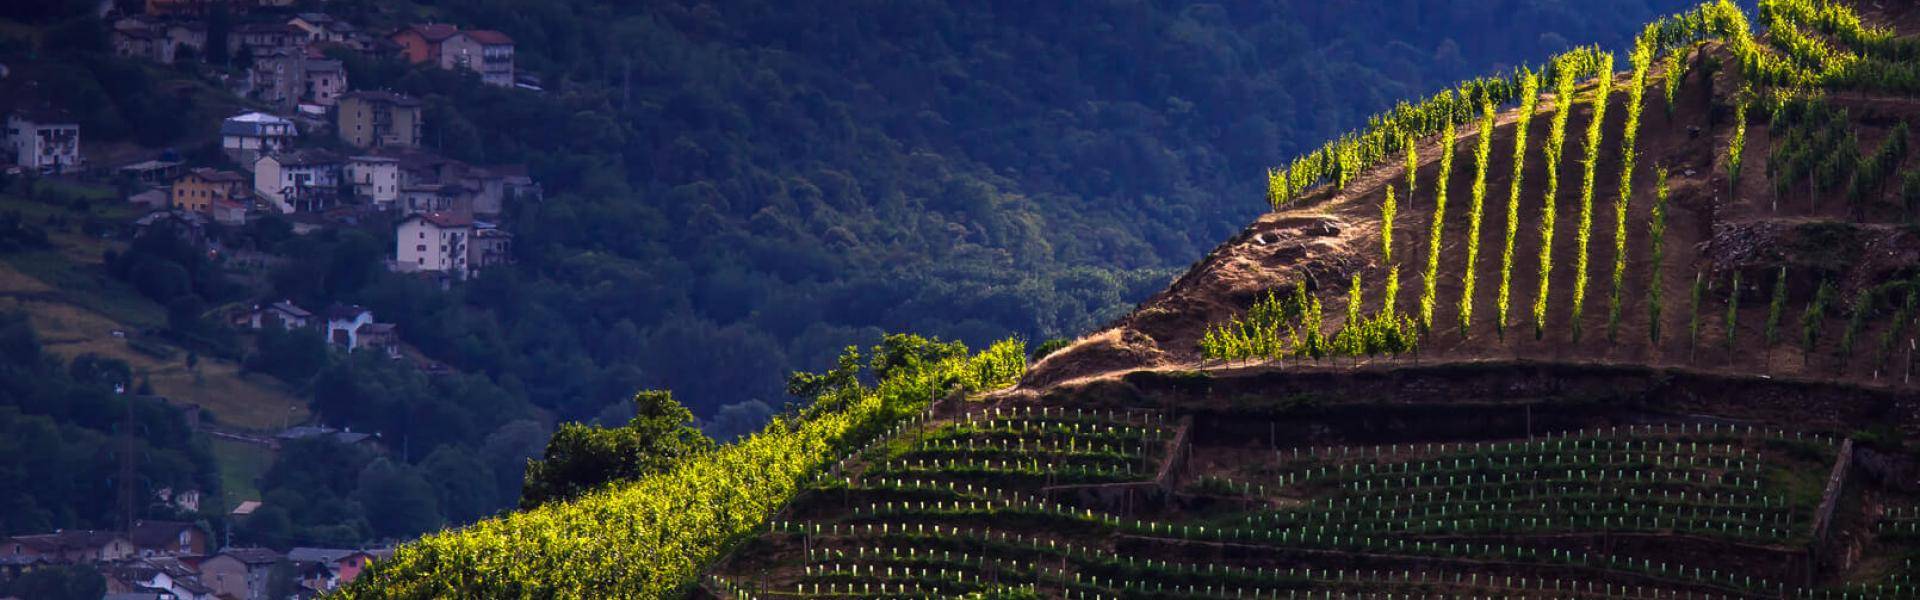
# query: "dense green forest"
737,190
60,425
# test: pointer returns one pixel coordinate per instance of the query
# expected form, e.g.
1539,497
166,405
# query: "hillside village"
310,149
318,152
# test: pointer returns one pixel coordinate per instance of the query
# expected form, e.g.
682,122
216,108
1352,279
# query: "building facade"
379,120
200,189
46,142
298,181
376,179
244,138
433,242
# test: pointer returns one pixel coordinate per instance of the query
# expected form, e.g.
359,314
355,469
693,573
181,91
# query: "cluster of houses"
350,328
176,559
316,153
287,57
447,212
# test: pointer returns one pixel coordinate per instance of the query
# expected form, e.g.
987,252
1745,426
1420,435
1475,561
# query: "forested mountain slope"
1555,399
747,187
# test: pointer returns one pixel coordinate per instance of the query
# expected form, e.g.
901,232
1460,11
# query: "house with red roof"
483,51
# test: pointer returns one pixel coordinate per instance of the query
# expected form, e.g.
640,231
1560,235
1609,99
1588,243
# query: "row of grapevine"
1736,146
1592,162
1549,214
1529,102
1435,228
1809,63
1288,326
1482,159
1389,209
1642,59
1871,178
1817,145
1657,257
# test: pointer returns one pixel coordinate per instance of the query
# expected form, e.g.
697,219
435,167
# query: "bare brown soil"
1330,234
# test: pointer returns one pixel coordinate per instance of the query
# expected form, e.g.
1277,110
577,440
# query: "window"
420,248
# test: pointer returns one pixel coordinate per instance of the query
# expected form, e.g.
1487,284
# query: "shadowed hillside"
1658,350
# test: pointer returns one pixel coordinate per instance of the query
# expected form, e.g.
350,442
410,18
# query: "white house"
487,52
245,138
283,314
344,323
298,181
433,242
375,178
45,141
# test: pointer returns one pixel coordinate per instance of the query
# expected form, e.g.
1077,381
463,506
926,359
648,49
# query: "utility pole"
126,469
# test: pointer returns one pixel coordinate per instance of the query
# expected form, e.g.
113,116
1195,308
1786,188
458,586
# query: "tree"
738,419
582,458
464,486
293,355
66,582
507,451
219,27
403,503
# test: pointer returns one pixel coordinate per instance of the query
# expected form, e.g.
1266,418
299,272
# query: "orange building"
421,42
200,189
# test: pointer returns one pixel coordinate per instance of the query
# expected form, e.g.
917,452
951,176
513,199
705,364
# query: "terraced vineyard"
1134,504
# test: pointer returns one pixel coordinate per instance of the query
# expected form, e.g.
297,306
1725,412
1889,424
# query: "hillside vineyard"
1713,403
